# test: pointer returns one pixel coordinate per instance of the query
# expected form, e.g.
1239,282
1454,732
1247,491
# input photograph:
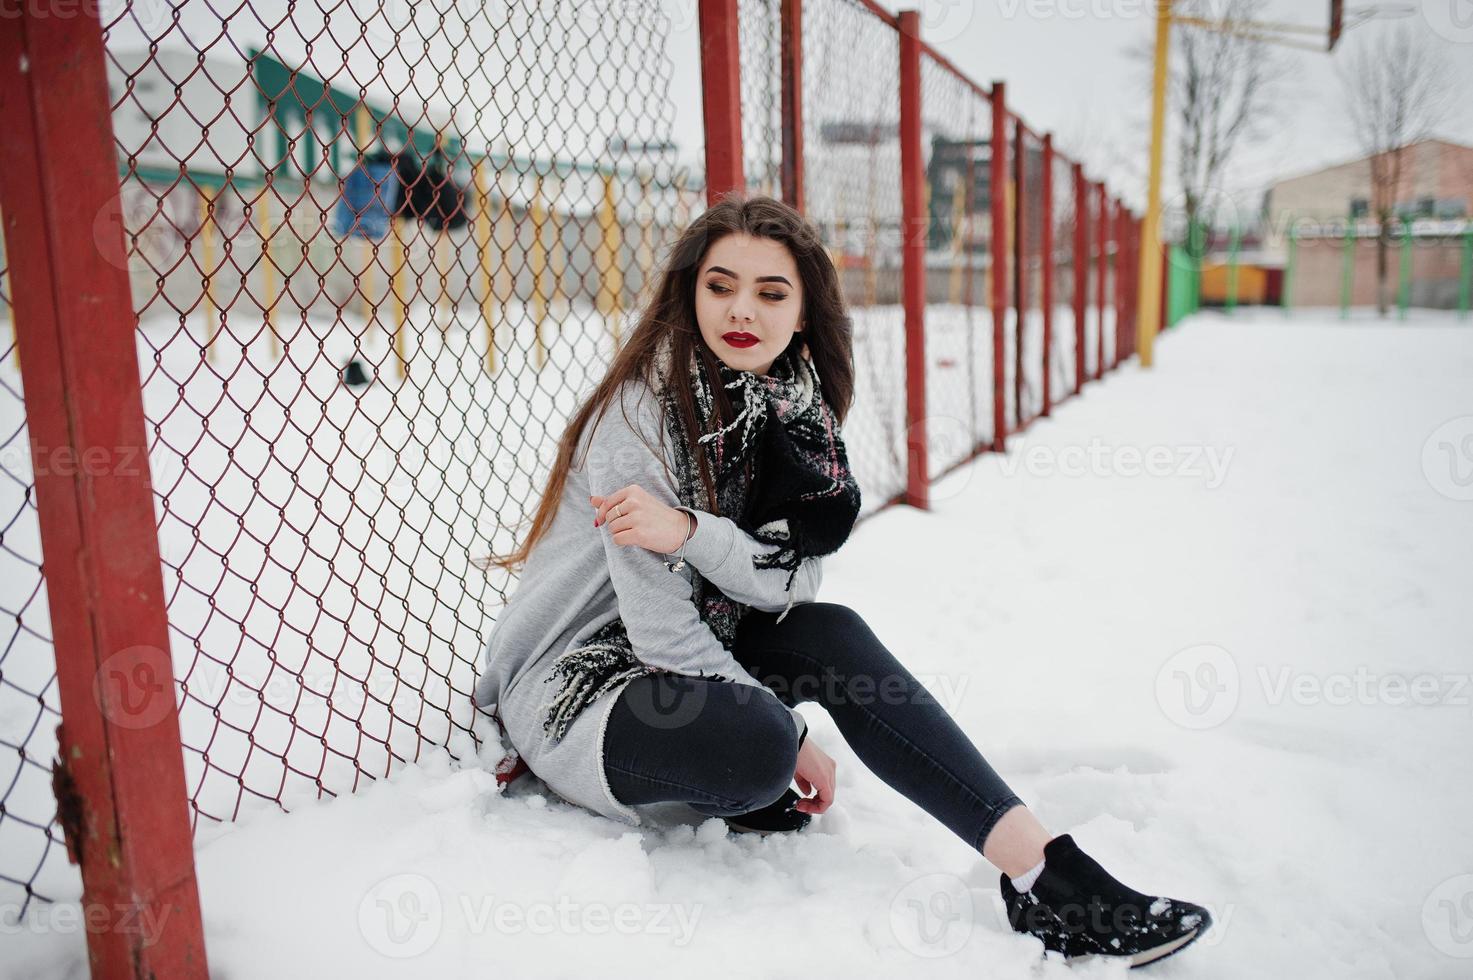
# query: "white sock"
1025,881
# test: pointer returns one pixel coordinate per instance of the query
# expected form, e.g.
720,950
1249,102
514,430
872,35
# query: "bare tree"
1396,92
1221,91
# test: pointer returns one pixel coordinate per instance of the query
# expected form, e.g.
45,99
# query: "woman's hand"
814,771
642,520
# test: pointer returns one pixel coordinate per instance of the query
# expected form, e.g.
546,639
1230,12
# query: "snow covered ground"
1211,618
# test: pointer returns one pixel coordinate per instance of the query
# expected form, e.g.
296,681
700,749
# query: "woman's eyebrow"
727,272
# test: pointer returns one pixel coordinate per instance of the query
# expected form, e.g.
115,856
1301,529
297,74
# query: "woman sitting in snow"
664,628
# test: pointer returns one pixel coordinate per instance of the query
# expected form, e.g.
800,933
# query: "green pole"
1289,268
1345,269
1404,288
1465,283
1234,241
1194,281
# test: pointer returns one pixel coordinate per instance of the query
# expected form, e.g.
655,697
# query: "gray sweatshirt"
576,580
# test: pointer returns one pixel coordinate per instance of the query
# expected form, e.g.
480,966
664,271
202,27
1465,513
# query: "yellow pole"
556,263
504,232
268,269
839,250
539,269
207,247
483,260
1010,215
1149,302
871,279
646,252
442,296
682,202
400,317
611,278
363,122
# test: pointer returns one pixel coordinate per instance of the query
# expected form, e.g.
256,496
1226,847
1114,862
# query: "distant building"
1435,196
1436,182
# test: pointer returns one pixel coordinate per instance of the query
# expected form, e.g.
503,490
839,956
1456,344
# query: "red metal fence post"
1129,238
1102,231
122,800
1133,347
792,102
1020,262
997,250
1081,271
1046,246
914,220
721,91
1118,223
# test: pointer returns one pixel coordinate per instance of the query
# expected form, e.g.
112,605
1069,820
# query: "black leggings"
728,748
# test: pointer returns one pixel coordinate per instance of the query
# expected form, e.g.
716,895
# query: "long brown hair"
671,313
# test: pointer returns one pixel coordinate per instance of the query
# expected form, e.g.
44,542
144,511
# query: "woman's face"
749,301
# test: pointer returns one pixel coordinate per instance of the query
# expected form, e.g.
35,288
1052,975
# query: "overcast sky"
1069,69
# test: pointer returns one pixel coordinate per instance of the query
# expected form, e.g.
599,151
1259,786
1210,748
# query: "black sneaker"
778,816
1078,909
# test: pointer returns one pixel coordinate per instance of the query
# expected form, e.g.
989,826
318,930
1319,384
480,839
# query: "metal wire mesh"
1091,213
1065,221
32,851
1028,273
851,143
1105,268
377,257
956,150
759,29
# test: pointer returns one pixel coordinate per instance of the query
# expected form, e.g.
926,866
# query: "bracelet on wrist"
679,562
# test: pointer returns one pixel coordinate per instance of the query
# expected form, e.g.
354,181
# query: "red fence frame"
120,783
122,800
914,221
998,256
1047,294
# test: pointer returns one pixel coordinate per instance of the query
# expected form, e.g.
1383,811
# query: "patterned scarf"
803,499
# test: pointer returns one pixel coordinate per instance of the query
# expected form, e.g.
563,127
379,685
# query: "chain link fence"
378,254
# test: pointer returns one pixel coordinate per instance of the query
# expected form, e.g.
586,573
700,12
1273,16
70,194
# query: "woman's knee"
832,635
737,741
762,752
818,624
